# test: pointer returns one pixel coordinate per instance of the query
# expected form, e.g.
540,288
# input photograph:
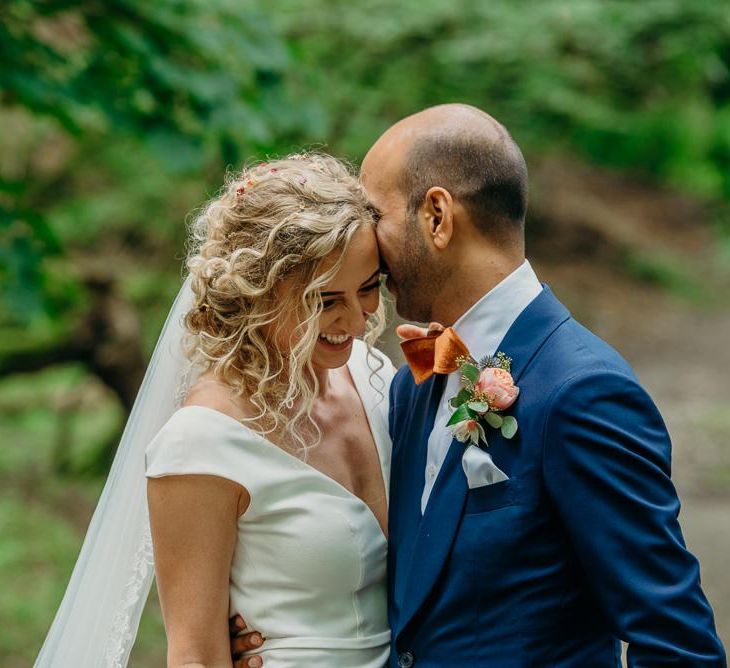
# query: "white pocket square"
480,469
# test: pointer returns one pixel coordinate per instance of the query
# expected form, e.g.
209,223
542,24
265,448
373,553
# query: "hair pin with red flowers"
244,187
250,183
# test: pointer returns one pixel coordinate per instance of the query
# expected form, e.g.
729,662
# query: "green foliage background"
118,118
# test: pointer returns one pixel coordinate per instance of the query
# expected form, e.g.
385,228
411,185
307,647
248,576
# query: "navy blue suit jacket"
579,549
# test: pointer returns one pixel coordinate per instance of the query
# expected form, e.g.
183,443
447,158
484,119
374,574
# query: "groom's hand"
244,643
406,332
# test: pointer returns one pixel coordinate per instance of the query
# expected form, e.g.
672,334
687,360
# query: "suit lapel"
442,518
532,329
407,485
436,533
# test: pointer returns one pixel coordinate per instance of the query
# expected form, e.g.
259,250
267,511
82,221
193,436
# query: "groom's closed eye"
375,213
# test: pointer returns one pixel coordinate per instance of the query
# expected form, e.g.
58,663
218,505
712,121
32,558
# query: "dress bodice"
309,566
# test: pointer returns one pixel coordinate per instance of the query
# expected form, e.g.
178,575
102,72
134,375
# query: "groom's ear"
439,212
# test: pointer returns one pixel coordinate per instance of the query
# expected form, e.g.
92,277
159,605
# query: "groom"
549,548
563,540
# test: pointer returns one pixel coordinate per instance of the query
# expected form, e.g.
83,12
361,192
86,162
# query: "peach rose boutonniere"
487,390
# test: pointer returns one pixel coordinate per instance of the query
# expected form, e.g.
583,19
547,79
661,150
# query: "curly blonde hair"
273,222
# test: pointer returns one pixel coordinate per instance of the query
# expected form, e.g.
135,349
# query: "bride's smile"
348,300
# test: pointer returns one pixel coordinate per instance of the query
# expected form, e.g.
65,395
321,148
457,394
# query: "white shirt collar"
486,323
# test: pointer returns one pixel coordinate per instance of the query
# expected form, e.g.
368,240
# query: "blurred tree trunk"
107,341
113,331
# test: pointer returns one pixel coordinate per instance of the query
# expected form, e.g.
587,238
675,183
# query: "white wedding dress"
310,563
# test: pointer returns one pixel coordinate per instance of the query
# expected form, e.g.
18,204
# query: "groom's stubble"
418,279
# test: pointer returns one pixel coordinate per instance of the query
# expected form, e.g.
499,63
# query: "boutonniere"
487,389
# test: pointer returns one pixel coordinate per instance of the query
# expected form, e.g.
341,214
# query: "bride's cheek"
370,304
326,318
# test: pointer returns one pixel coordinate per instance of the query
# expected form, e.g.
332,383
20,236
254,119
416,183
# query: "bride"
261,428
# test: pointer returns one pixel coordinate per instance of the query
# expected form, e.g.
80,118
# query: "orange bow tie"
436,353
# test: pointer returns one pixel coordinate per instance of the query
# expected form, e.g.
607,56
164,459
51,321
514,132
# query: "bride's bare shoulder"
211,392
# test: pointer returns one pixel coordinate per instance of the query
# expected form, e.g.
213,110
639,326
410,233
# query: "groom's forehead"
376,190
370,181
379,175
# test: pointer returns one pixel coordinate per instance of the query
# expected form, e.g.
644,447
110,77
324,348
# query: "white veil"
97,620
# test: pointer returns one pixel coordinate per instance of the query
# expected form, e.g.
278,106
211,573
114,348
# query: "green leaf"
471,372
460,414
460,398
509,426
494,420
479,406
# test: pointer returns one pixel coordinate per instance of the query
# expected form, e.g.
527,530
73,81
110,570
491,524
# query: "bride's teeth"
334,339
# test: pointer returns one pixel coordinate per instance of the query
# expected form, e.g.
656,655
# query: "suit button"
406,660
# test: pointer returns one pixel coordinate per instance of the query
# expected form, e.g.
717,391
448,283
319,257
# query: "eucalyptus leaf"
460,398
460,414
509,426
494,420
479,406
471,372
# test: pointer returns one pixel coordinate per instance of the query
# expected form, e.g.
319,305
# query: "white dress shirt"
482,328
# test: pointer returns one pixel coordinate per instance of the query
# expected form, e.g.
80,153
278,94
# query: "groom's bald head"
464,150
469,153
450,186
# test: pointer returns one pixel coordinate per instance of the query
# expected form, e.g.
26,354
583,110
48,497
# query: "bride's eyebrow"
367,280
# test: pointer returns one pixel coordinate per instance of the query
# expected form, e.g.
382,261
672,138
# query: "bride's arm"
194,532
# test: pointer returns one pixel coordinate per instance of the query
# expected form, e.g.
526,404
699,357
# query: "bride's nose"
356,318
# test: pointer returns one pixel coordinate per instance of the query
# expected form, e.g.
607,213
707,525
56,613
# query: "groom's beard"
417,281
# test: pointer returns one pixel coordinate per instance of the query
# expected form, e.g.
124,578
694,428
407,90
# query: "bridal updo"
257,254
